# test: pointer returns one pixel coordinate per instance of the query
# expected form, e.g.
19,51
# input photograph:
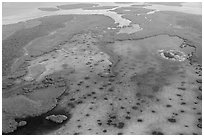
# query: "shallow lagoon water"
35,13
131,50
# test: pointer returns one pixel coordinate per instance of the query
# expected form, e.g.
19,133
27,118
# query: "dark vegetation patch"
199,80
157,133
139,120
12,47
199,125
168,106
172,120
183,103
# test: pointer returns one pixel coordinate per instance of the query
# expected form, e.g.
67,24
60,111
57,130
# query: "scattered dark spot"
105,98
72,99
175,114
153,111
87,86
172,120
181,88
112,117
135,107
199,125
101,88
195,102
86,78
183,103
80,102
199,113
120,133
168,106
182,111
199,97
111,89
120,125
139,120
88,95
128,117
104,131
200,88
76,133
157,133
178,95
138,104
71,105
199,80
99,123
109,122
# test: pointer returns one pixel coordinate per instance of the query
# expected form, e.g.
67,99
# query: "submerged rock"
56,118
22,123
173,55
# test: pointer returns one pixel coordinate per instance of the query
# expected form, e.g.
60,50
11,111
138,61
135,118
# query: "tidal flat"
90,75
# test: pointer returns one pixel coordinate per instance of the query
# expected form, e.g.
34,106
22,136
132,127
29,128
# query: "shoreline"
185,9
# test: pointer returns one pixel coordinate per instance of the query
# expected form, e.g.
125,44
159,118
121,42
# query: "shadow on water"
39,125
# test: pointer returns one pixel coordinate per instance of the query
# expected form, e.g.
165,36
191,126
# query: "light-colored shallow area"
35,13
185,8
130,29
